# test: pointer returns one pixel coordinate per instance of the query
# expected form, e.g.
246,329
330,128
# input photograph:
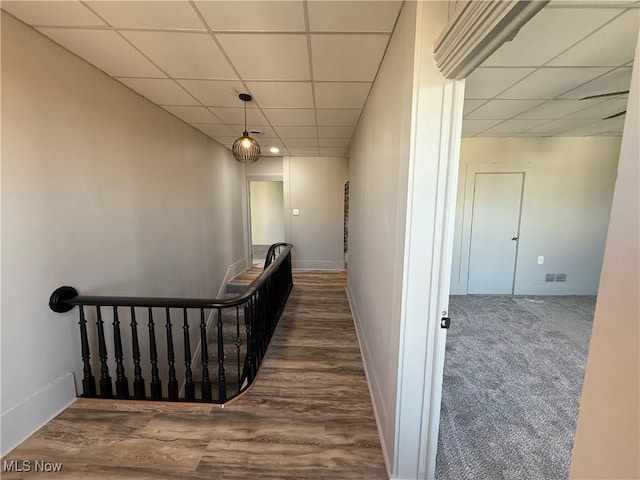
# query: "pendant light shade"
245,149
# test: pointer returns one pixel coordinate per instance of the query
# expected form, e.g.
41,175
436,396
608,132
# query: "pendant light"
245,149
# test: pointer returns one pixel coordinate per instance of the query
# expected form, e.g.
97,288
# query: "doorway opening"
266,214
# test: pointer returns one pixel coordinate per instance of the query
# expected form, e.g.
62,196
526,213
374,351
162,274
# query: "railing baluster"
88,380
189,386
122,384
222,378
238,345
173,381
156,384
138,381
206,383
248,372
106,388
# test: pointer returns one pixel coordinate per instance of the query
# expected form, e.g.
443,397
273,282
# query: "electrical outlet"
540,260
295,212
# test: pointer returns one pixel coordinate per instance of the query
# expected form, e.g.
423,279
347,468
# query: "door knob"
514,239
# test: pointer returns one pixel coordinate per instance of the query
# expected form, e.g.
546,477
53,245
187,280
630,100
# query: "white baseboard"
364,351
23,420
317,265
233,270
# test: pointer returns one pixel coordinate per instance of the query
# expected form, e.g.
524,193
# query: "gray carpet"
513,376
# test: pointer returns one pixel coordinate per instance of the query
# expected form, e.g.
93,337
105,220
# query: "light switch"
296,212
540,260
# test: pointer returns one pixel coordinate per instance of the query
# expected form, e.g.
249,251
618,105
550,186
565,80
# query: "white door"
495,226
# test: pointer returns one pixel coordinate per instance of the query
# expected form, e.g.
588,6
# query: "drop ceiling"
532,85
310,65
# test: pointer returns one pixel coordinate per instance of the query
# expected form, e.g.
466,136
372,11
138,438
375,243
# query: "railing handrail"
65,298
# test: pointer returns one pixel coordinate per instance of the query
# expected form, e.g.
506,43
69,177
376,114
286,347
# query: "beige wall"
566,201
607,441
103,191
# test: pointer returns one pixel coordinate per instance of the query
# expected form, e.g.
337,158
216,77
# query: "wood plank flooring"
308,416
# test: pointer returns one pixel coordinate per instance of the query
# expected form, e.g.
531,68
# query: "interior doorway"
495,226
266,214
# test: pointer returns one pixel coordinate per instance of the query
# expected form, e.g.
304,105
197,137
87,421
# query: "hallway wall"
103,191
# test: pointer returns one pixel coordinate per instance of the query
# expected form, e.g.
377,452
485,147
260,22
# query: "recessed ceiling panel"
613,45
562,28
353,16
297,132
601,110
548,83
334,142
53,13
347,57
335,132
183,55
290,116
501,109
554,109
253,16
470,105
106,50
148,14
282,94
338,117
268,57
489,82
235,116
160,91
614,81
212,93
341,95
193,114
264,130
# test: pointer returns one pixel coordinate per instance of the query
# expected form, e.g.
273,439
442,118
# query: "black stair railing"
237,329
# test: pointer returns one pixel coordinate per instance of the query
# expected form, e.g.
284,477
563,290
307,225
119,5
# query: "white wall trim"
31,414
479,29
373,386
317,265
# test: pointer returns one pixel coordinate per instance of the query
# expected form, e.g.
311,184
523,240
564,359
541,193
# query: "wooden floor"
308,416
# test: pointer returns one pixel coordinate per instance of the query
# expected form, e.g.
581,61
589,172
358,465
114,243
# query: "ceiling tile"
333,151
303,151
615,81
558,126
613,45
255,16
282,94
554,109
614,125
353,16
513,127
601,110
193,114
341,95
473,127
338,117
106,50
300,142
265,130
296,132
290,116
268,56
562,27
489,82
215,130
334,142
160,91
551,82
53,13
470,105
335,132
183,55
347,57
502,109
148,14
214,93
236,115
224,140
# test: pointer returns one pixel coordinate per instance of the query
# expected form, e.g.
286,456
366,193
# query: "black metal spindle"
88,380
106,388
156,384
222,378
238,345
122,384
189,386
138,381
249,360
173,381
206,383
